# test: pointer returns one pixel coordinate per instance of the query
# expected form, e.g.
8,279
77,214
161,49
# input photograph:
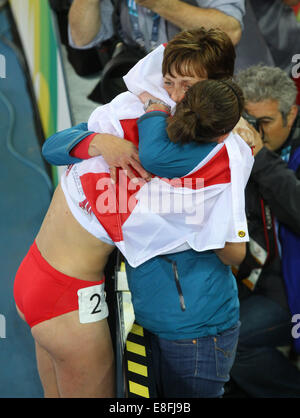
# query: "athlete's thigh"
46,371
82,354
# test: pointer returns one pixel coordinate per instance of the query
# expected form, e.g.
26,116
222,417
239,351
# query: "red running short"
41,292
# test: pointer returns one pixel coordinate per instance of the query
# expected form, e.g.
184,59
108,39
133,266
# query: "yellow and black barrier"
134,371
137,363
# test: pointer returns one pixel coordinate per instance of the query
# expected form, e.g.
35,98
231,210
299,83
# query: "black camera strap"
269,231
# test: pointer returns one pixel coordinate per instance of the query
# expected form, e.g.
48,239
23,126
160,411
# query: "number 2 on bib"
92,305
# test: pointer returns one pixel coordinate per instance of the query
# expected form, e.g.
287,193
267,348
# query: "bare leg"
82,355
45,368
47,372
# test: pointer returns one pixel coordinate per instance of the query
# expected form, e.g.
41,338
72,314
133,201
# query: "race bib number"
92,304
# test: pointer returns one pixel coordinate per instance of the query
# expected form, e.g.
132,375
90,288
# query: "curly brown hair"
210,109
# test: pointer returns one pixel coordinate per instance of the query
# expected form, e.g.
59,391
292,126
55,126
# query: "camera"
252,120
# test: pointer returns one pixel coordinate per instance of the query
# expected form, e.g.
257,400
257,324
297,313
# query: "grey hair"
261,82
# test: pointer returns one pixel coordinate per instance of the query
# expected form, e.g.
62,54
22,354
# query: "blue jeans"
259,368
193,368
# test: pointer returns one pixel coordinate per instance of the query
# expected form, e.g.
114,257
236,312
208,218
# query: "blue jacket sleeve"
159,155
57,147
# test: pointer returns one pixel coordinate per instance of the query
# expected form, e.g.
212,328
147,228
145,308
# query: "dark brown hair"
210,109
207,53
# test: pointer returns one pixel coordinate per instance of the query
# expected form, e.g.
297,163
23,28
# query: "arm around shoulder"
157,153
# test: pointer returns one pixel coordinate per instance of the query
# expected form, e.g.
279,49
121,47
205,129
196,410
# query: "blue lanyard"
134,18
285,153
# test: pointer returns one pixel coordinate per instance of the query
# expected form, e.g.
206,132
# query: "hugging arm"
56,149
116,151
157,153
